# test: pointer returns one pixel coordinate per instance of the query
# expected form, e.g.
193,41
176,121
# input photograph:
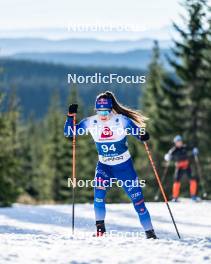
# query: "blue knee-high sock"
145,220
143,213
100,212
127,174
99,204
137,198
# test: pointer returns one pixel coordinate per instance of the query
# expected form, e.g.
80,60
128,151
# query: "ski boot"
100,228
150,234
175,200
195,198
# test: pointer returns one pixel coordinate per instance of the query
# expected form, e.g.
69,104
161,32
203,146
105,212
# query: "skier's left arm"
193,151
132,129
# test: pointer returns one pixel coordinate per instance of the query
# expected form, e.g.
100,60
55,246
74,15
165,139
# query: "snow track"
42,234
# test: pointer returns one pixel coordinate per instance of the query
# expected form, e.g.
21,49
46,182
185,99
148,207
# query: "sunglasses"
103,112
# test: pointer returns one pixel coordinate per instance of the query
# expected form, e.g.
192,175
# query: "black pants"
180,172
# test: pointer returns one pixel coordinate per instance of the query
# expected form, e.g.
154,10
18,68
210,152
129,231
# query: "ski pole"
200,175
161,187
73,172
156,197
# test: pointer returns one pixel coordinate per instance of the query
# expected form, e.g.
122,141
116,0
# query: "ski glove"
73,109
195,151
167,157
144,137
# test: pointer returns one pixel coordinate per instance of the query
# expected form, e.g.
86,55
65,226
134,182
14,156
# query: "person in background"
181,154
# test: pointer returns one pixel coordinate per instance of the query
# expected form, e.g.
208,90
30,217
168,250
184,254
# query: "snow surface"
42,234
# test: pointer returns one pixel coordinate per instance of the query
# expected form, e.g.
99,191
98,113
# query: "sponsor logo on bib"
106,132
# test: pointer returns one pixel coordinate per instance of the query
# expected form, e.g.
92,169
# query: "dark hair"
118,108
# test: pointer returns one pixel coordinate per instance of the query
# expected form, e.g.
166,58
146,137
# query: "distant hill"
132,59
35,83
91,32
10,46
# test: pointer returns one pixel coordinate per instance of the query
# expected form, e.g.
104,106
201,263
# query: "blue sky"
147,15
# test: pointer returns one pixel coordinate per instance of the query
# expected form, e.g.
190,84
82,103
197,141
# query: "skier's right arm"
169,156
69,126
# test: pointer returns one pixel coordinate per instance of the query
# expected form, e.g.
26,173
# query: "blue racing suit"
114,160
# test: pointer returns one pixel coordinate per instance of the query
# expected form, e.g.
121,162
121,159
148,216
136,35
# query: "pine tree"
54,148
190,63
159,106
37,175
207,105
10,159
153,99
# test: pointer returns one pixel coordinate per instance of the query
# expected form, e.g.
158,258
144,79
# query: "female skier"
109,128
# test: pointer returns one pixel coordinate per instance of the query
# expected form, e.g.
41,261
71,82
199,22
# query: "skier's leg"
137,198
176,184
99,203
128,176
193,187
101,177
99,196
193,183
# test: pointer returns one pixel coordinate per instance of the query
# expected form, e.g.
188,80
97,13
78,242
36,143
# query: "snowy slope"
42,234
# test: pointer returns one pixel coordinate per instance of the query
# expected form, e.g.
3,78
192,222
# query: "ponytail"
118,108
